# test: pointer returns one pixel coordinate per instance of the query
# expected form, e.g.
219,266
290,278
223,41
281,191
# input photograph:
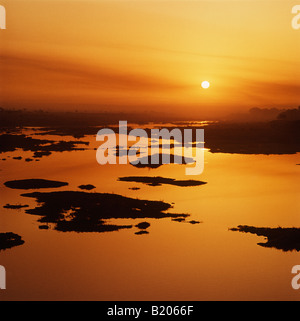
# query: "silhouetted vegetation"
62,121
158,181
87,187
74,131
89,212
261,131
43,227
15,207
194,222
146,162
256,115
9,240
286,239
179,219
40,147
276,137
271,137
143,225
290,114
34,183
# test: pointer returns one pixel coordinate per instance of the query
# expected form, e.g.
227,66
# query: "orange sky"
136,55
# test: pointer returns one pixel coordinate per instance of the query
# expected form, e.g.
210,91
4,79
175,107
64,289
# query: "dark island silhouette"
275,137
194,222
89,212
259,135
179,219
159,181
34,184
39,147
183,220
9,240
285,239
14,207
87,187
62,122
44,227
73,131
261,131
143,225
146,162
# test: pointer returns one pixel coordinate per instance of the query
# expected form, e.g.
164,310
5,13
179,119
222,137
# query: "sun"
205,84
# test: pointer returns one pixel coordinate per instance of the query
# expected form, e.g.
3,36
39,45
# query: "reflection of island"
34,184
158,181
9,240
286,239
180,219
141,232
88,212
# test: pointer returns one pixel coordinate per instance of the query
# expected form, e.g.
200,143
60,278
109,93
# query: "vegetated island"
34,183
39,147
89,212
286,239
143,225
14,207
180,219
146,161
159,181
9,240
87,187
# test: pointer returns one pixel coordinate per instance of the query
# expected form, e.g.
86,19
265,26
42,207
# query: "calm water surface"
176,260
